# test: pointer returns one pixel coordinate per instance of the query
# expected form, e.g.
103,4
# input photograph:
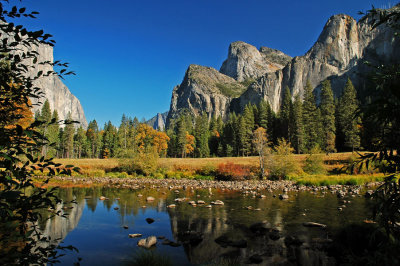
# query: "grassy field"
190,167
334,160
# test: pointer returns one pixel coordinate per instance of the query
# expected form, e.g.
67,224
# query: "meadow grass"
343,179
205,168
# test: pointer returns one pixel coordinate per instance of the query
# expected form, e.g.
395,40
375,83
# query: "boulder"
147,242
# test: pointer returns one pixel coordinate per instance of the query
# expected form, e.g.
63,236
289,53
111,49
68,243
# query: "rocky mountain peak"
338,44
158,121
247,62
249,75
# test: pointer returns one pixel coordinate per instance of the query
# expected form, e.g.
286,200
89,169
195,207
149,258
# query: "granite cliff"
251,74
59,96
158,121
53,89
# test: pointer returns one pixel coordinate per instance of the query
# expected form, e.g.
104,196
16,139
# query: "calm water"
96,228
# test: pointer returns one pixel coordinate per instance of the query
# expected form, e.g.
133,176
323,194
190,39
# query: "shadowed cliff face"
340,52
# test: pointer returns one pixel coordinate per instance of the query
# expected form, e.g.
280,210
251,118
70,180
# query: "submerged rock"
149,220
312,224
147,242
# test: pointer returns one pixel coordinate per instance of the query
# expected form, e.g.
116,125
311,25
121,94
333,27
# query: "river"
248,227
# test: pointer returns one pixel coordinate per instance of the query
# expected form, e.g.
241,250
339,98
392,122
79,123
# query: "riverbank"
255,187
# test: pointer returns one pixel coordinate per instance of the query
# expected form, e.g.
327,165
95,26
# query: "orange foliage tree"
189,146
23,115
147,137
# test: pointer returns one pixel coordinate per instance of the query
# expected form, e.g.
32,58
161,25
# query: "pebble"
150,199
135,235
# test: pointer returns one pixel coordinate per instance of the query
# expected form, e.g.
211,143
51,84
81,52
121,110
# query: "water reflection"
246,228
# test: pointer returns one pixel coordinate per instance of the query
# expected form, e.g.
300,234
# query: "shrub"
233,172
158,175
314,163
142,164
282,163
207,170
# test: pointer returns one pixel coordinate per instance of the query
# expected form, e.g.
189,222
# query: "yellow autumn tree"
22,111
160,142
189,146
147,138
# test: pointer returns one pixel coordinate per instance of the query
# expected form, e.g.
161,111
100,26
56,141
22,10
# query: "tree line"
331,125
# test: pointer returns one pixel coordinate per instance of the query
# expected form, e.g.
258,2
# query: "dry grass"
334,160
101,164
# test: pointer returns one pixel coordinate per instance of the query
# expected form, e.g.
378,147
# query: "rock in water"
283,196
150,199
312,224
147,242
134,235
149,220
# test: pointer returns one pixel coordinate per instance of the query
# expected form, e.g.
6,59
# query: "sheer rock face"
59,96
339,53
246,62
158,122
204,89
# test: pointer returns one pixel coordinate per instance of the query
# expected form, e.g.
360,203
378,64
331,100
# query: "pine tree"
110,139
68,138
347,118
45,118
327,107
298,128
201,134
310,118
93,137
284,114
263,114
53,136
181,136
229,136
247,126
80,140
123,132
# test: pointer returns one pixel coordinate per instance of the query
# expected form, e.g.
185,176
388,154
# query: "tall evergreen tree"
109,140
247,126
263,114
327,107
284,115
298,128
201,134
80,143
310,118
347,118
45,118
53,136
123,132
68,138
93,137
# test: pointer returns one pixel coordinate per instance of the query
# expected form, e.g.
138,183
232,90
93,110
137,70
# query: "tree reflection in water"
281,239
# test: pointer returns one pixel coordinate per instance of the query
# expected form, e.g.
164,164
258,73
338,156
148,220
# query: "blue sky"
128,54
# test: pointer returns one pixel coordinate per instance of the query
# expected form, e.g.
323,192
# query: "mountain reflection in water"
95,226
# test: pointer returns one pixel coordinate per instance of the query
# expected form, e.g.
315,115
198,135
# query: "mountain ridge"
339,53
